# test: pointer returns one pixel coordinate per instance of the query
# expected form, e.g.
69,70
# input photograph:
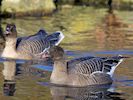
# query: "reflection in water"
9,78
9,87
115,38
110,4
79,27
109,34
85,93
13,69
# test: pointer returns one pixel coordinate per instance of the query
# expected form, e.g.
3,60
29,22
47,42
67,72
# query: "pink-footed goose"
30,47
82,71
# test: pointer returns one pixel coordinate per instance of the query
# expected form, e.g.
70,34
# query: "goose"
82,71
30,47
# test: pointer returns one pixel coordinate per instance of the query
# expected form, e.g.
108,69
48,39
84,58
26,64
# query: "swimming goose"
31,47
82,71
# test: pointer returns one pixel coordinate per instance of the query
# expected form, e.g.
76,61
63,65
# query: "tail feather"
61,37
56,38
110,64
114,67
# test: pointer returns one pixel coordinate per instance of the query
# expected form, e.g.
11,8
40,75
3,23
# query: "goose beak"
47,53
44,55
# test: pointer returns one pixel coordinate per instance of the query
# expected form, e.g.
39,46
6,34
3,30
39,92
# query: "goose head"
56,53
11,31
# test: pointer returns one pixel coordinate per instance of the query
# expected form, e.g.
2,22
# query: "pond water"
88,31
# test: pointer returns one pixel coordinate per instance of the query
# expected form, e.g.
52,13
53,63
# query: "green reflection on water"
85,28
77,24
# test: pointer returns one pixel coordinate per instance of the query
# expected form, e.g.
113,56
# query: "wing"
87,67
34,47
33,44
96,64
40,34
39,42
76,61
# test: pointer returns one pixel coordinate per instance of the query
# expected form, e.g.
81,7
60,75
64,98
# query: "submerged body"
82,71
31,47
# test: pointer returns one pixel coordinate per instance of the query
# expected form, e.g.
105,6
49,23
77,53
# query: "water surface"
88,32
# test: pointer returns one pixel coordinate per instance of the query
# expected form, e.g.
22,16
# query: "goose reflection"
13,70
109,35
100,92
9,78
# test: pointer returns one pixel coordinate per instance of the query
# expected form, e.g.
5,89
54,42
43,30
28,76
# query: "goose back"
93,70
33,46
88,65
41,33
37,43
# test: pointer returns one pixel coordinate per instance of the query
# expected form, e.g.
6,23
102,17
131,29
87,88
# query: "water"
88,31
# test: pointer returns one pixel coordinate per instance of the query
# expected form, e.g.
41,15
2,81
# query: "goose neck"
59,74
60,65
11,42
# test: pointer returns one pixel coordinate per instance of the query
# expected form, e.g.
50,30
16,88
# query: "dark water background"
88,31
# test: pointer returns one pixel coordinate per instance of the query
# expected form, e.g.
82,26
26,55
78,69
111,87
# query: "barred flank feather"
94,70
38,43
